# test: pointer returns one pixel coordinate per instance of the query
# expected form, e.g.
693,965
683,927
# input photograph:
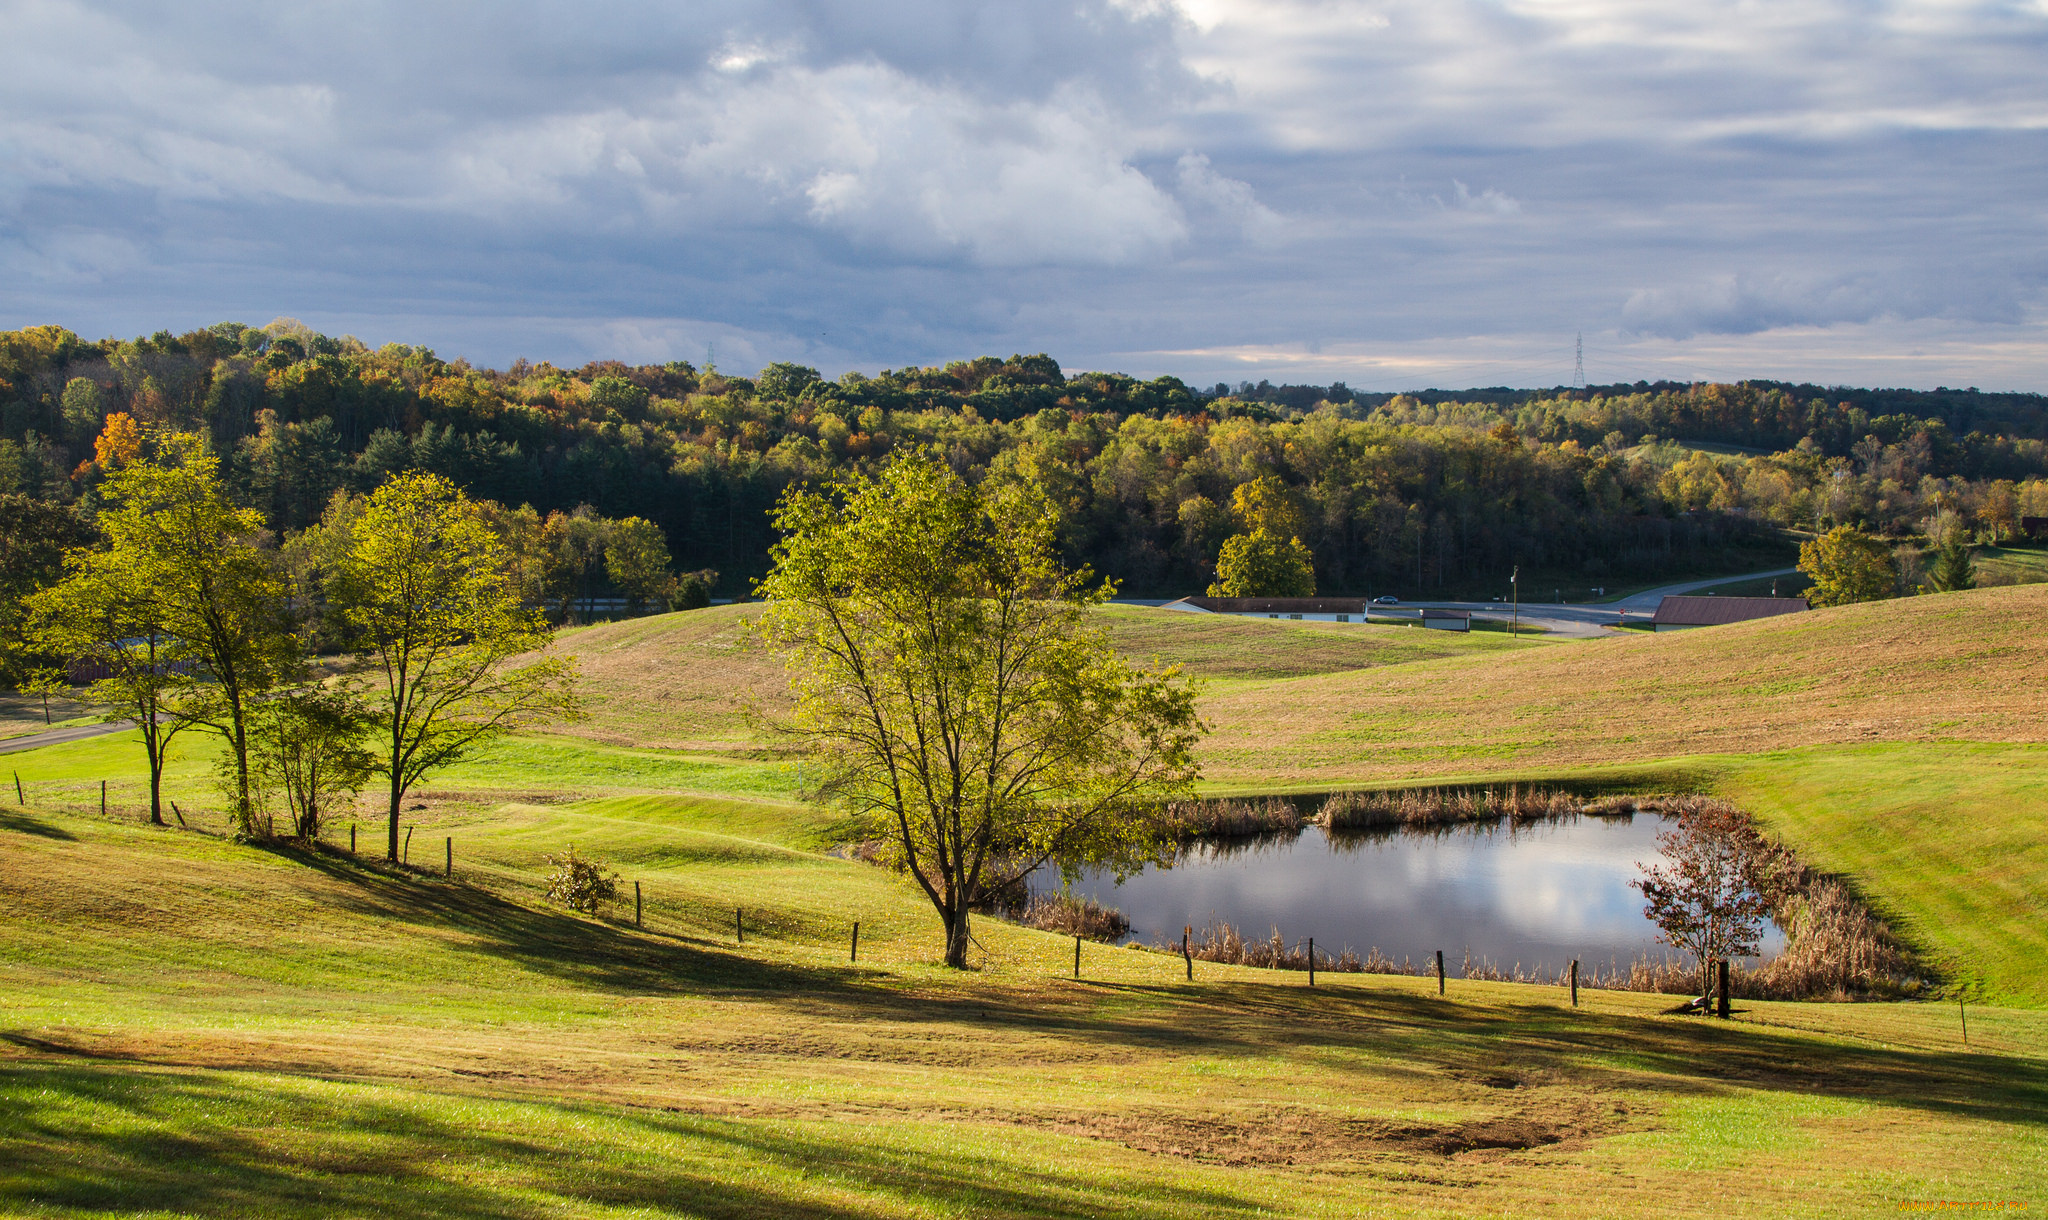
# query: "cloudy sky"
1396,193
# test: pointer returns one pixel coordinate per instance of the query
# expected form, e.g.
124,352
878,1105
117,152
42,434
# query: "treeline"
1390,492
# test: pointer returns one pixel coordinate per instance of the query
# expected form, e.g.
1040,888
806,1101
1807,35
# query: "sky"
1397,194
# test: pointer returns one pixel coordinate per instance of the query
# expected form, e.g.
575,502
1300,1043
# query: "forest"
1435,491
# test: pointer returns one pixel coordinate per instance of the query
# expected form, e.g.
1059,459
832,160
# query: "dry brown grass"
673,681
1223,943
683,681
1961,665
1390,807
22,714
1184,821
1071,916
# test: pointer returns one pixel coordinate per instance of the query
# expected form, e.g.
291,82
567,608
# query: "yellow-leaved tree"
947,677
423,591
1269,558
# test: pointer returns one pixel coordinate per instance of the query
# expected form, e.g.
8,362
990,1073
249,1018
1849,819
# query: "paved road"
1590,620
55,737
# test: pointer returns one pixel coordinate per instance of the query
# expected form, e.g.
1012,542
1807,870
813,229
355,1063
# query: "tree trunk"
391,825
245,813
156,784
957,937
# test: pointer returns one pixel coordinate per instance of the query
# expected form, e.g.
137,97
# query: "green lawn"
190,1026
195,1027
2026,565
1948,841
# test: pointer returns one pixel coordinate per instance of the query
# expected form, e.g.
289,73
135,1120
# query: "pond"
1537,895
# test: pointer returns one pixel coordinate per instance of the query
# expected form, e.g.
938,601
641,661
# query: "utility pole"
1515,582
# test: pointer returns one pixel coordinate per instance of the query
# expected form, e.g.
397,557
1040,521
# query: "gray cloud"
1421,188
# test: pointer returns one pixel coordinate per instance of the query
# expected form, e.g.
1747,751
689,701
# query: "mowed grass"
686,680
196,1027
537,767
1956,666
1949,842
2012,565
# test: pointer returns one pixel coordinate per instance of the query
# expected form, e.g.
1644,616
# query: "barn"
1685,613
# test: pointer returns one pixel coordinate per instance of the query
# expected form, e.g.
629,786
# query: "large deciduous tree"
1269,558
104,615
1847,565
637,561
946,675
189,569
419,584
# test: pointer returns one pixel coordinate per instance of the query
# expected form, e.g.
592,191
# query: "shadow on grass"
1667,1054
1274,1020
27,824
99,1139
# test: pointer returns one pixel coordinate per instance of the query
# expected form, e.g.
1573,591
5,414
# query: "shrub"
580,884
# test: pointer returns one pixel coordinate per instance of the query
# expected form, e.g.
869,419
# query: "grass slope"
683,681
2012,565
1958,666
1949,842
194,1027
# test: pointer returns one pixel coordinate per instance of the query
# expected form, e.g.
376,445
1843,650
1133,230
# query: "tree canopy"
947,679
1847,565
419,584
1424,491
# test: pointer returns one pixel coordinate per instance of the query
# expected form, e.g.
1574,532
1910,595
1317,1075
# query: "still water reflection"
1537,895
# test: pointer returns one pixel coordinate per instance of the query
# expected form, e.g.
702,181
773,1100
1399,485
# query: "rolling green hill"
196,1027
684,680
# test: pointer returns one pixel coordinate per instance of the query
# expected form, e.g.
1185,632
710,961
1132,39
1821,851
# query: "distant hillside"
1970,666
1394,494
683,681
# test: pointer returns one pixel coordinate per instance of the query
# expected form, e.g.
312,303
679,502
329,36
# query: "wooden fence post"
351,838
19,799
448,869
739,926
854,955
1187,932
1311,961
1439,971
636,904
1964,1014
1077,957
1575,982
103,798
1721,1009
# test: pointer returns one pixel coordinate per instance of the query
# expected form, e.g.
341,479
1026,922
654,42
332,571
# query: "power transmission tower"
1579,362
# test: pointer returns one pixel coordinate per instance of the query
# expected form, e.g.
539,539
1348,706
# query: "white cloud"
1489,201
1232,200
923,179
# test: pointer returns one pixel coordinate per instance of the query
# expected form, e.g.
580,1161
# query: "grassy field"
1949,842
2011,566
195,1027
1958,666
684,681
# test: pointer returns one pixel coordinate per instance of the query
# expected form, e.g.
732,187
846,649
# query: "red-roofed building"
1681,613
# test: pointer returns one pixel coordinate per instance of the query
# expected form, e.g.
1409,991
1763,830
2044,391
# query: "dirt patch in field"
1301,1136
